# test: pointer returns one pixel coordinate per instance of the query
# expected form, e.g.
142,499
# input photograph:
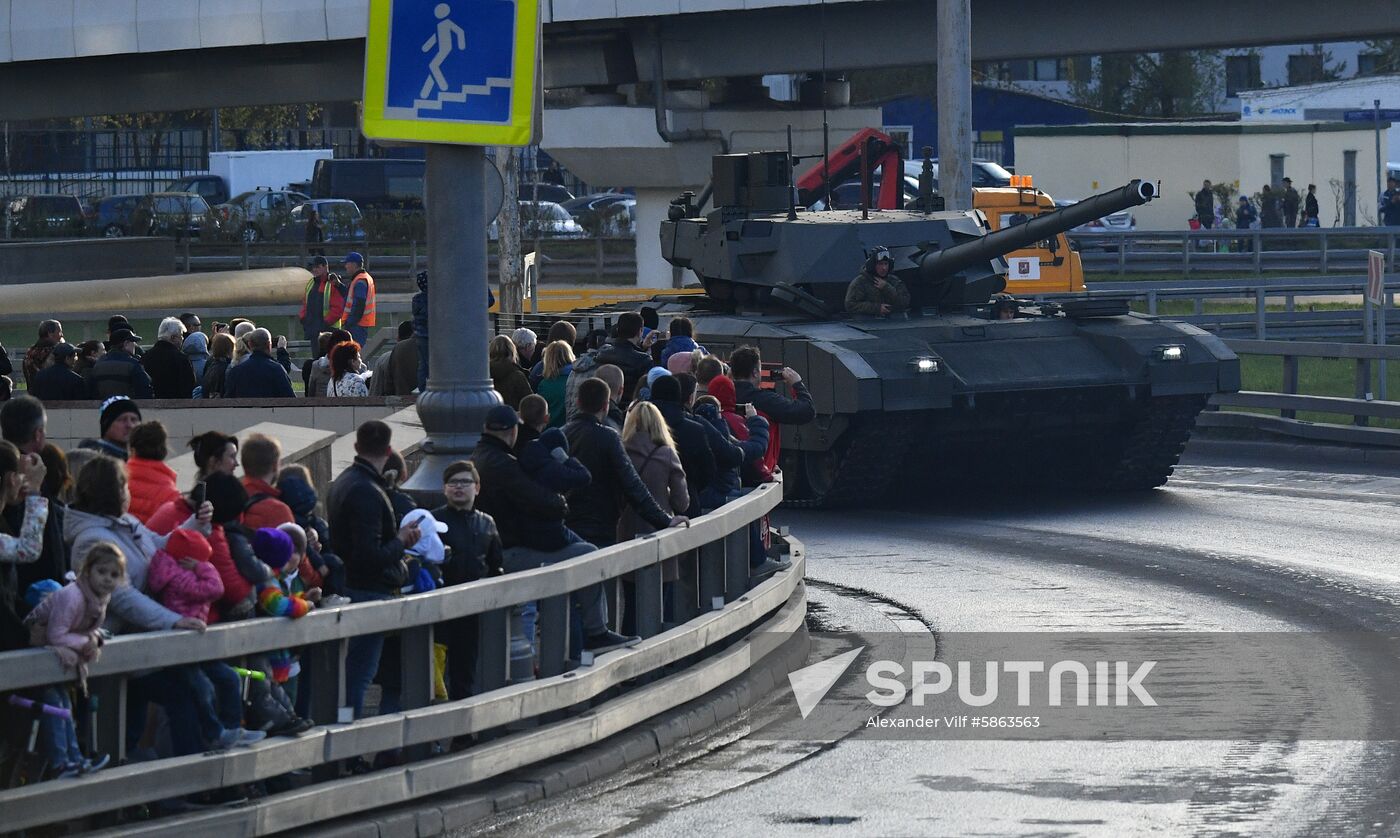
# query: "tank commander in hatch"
875,290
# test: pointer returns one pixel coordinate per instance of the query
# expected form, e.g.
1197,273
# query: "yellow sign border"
519,131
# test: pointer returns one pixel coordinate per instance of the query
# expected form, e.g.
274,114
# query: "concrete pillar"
653,271
955,103
459,381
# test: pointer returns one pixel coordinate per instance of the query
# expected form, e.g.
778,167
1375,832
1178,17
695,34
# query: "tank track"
1152,447
873,457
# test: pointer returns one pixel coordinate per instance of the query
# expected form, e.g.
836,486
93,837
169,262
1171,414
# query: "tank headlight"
926,365
1170,352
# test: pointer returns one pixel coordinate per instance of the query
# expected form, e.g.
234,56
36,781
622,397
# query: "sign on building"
455,71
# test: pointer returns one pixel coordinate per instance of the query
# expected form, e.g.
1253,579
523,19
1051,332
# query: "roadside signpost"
455,76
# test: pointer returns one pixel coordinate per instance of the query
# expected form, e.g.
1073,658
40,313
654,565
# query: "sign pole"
459,381
1380,161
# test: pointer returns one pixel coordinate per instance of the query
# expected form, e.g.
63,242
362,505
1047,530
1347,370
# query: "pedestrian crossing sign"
452,71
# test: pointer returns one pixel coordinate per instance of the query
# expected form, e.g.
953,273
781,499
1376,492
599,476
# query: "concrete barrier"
73,260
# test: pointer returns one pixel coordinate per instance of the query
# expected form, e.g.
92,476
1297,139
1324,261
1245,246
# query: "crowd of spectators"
596,442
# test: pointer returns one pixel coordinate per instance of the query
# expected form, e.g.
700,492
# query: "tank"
1076,390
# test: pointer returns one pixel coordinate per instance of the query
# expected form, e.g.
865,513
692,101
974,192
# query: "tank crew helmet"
1004,302
879,254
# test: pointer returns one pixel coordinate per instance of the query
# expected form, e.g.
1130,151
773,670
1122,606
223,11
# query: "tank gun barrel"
935,264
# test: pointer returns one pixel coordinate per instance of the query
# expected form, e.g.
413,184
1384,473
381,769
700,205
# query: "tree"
509,268
1168,85
1387,55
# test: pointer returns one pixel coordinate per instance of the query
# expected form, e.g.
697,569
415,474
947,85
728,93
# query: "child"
298,492
474,552
183,579
68,622
281,550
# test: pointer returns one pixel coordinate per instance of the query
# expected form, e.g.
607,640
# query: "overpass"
64,58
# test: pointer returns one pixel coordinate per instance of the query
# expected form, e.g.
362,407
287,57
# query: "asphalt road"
1222,549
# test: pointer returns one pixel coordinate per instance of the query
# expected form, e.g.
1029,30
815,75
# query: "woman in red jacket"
150,481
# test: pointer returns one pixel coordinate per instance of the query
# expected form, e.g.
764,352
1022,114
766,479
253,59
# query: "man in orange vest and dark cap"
323,302
359,299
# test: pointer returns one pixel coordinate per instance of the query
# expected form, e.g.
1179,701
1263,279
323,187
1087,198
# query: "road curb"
1218,445
644,743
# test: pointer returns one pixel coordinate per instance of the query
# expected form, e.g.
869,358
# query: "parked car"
546,219
211,188
176,214
112,218
341,219
545,192
44,216
591,203
255,215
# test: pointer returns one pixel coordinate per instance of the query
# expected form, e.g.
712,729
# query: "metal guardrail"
1297,319
1234,251
1359,410
714,608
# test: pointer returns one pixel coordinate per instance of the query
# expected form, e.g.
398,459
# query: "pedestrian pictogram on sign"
452,71
1375,277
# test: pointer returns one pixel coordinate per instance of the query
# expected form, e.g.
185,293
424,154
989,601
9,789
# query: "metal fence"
722,626
1233,251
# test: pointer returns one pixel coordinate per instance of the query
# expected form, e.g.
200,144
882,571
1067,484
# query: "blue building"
996,111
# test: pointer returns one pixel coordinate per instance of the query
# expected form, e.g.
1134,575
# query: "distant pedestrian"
172,375
1290,201
258,376
1390,203
59,382
323,301
420,328
359,299
345,381
37,358
315,230
1269,215
216,368
553,174
1311,213
1205,206
506,375
119,373
1245,219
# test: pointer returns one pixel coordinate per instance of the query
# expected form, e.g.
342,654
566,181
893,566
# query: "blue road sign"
1369,115
452,71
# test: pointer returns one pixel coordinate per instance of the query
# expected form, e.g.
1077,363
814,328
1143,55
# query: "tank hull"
1056,400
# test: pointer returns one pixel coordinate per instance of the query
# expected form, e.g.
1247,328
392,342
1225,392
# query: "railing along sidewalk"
711,605
1275,248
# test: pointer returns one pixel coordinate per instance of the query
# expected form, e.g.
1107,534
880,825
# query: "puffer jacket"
152,485
132,609
679,343
189,592
238,593
68,621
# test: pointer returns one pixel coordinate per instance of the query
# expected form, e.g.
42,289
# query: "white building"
1074,161
1327,101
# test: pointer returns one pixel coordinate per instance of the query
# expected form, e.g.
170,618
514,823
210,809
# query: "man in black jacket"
746,368
476,553
258,376
371,545
59,382
119,373
595,509
521,508
172,375
628,350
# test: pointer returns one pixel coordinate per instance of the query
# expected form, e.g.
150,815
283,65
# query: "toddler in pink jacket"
69,622
181,577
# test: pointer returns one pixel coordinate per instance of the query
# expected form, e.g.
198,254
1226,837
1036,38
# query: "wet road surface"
1222,548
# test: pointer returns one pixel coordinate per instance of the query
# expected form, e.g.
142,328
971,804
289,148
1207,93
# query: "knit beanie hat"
680,362
114,408
188,544
298,495
722,388
227,495
273,548
666,390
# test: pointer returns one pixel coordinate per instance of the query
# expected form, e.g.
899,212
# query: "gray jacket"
131,608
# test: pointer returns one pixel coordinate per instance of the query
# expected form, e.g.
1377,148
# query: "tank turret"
754,241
